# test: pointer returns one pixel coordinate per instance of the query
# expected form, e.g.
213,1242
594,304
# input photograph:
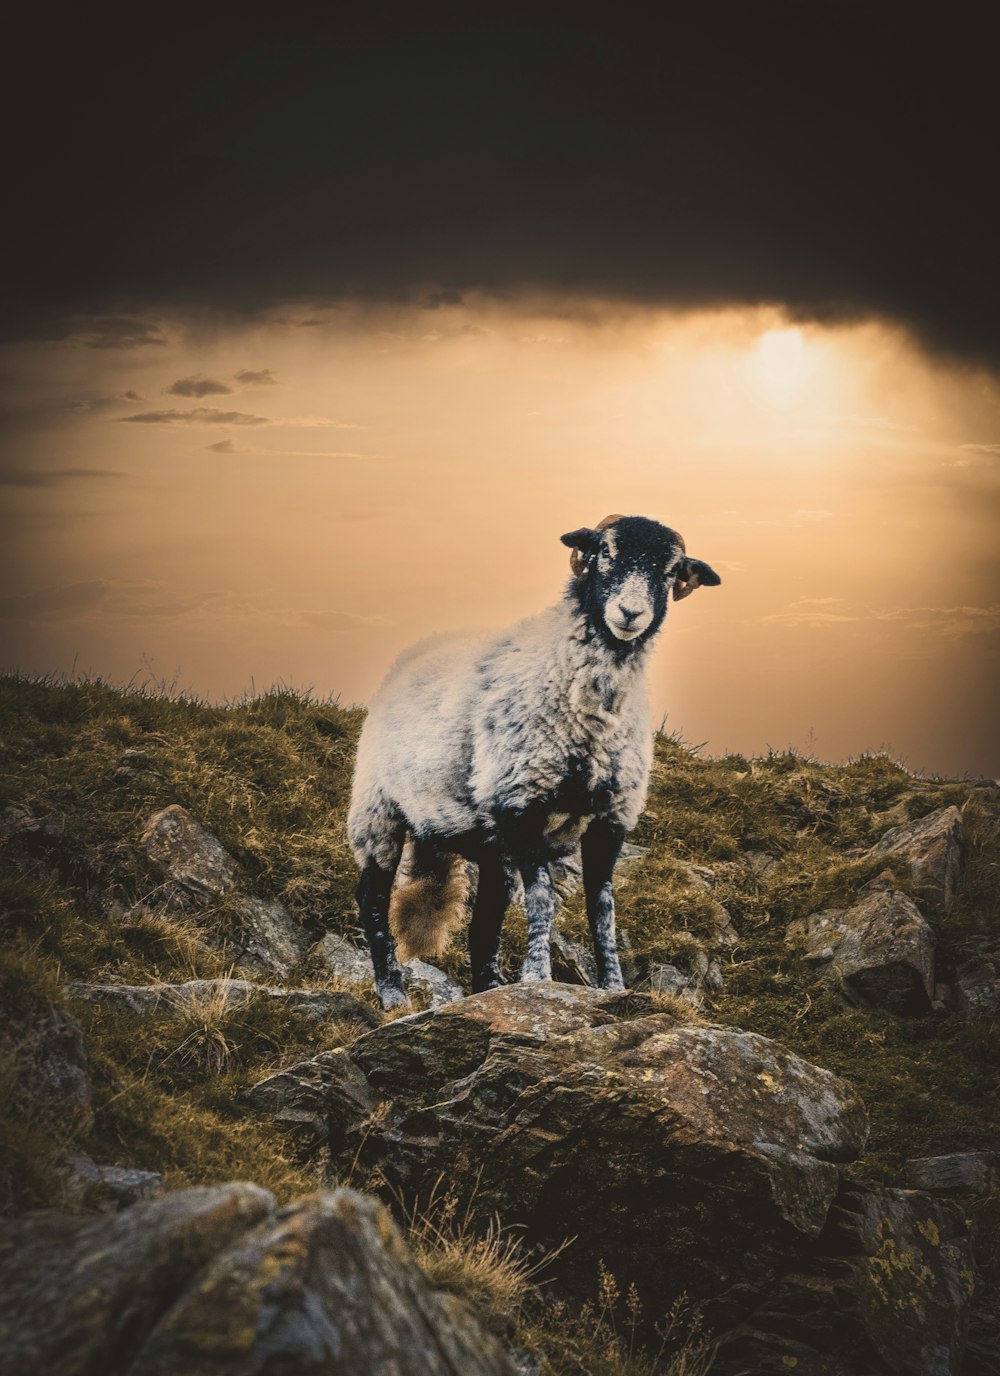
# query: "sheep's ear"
582,542
691,574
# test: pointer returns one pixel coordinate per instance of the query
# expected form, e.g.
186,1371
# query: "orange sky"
380,475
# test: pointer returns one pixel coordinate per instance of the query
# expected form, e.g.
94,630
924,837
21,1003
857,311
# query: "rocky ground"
777,1152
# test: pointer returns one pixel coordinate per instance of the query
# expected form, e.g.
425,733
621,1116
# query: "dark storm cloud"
834,157
198,387
104,332
198,415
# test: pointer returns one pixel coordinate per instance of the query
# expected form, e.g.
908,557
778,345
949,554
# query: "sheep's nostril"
629,616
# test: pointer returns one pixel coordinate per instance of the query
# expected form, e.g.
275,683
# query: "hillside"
734,859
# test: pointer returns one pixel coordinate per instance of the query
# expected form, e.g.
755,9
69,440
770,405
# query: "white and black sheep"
508,751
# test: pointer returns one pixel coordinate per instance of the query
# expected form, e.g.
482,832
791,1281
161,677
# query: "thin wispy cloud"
199,415
230,446
211,415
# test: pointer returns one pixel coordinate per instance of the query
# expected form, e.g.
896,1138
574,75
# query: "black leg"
601,844
373,893
492,898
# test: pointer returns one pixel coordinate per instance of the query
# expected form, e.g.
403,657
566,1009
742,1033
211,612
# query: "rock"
880,951
426,979
217,1282
915,1260
50,1073
977,983
759,861
688,979
265,934
725,931
975,1171
564,1108
77,1296
353,965
188,854
323,1099
134,766
932,850
344,961
571,963
183,1000
701,877
324,1288
91,1185
888,1290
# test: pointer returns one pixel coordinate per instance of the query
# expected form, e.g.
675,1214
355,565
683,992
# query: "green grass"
786,835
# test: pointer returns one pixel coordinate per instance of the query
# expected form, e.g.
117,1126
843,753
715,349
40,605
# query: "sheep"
508,750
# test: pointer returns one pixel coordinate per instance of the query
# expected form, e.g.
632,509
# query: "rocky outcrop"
687,979
576,1112
325,1100
182,1000
106,1188
215,1282
977,983
78,1296
187,854
887,1292
879,952
260,932
959,1172
353,966
931,849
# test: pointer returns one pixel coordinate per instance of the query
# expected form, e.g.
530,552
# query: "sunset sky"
304,361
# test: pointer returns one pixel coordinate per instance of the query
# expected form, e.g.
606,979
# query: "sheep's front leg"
539,906
600,847
373,893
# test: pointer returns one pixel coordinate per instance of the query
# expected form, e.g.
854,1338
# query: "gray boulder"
260,931
78,1296
880,951
931,848
687,979
218,1282
562,1107
107,1188
265,935
187,854
431,983
349,963
323,1100
973,1171
977,984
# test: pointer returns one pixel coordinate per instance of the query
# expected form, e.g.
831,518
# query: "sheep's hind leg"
492,899
373,892
600,847
539,907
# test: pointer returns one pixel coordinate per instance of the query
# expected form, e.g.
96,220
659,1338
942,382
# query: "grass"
84,765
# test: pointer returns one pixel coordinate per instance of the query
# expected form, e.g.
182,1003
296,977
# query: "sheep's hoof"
613,983
392,996
536,976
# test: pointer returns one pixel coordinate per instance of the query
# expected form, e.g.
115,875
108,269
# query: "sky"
316,340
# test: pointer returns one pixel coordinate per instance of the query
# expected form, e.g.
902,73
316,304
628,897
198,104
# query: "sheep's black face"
624,573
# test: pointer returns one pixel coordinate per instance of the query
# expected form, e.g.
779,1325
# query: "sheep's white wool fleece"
462,728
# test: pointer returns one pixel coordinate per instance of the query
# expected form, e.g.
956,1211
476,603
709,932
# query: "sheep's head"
624,569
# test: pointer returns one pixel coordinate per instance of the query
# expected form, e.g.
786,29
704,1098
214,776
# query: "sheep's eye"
606,551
